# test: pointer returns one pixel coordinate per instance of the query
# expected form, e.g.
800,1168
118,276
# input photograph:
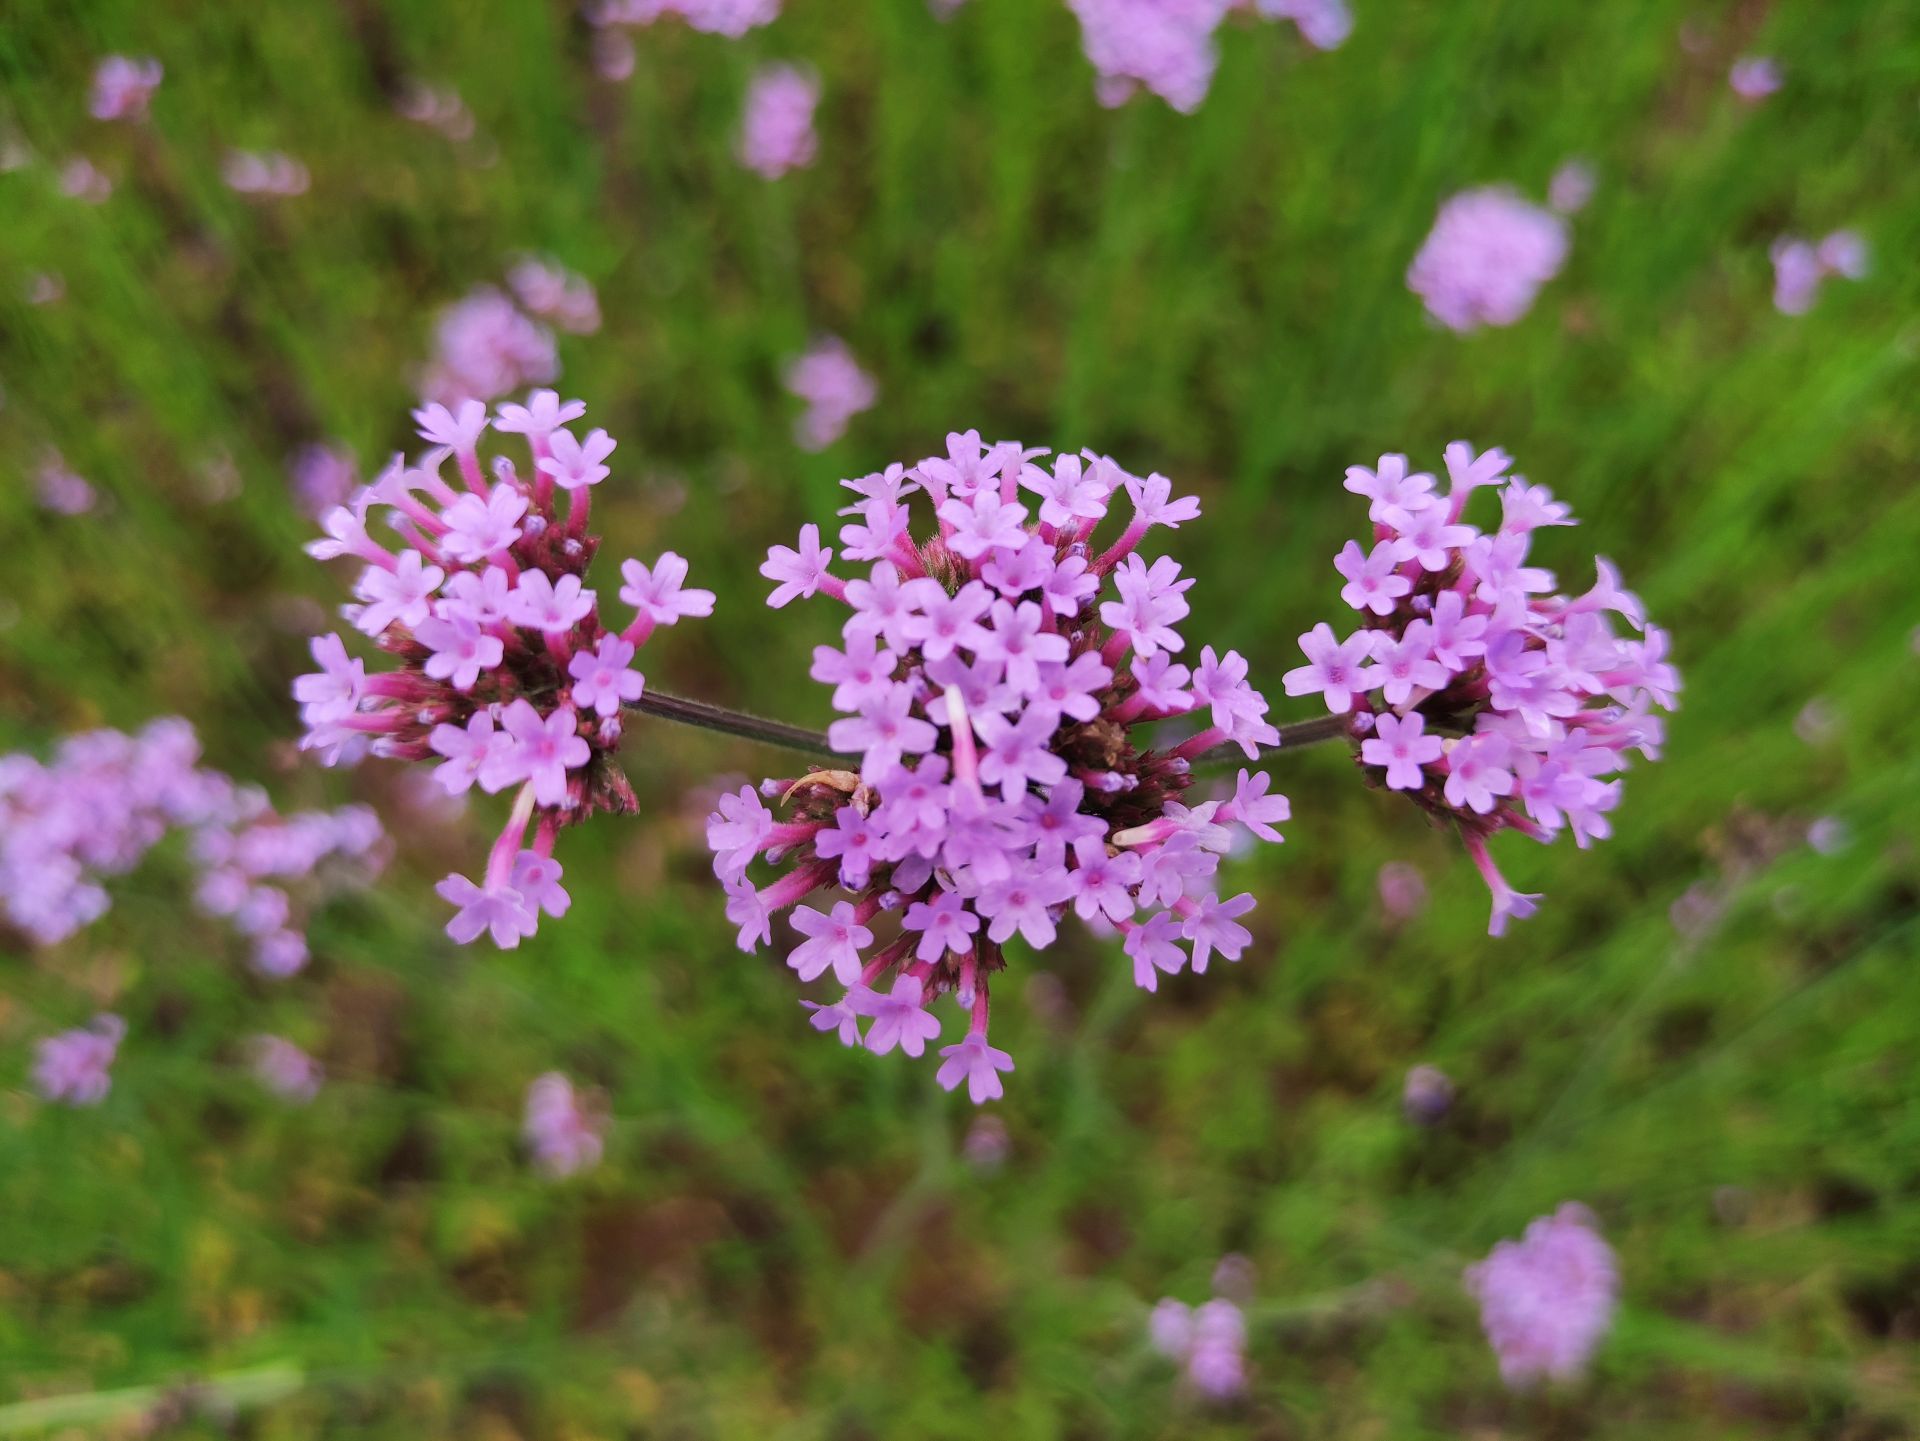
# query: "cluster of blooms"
1485,259
489,344
1208,1342
1755,77
61,488
835,389
550,291
562,1135
106,799
440,110
776,134
485,346
1800,267
123,87
992,678
1547,1300
1500,705
1167,46
732,18
75,1066
264,172
506,671
322,476
82,180
286,1070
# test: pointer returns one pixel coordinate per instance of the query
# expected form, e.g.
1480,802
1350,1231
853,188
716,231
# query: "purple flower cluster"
485,346
75,1066
506,671
551,292
776,134
1485,259
123,87
322,476
266,172
438,109
1167,48
1547,1300
732,18
1800,267
105,800
1754,77
562,1135
991,679
286,1070
61,489
1490,701
835,389
1208,1342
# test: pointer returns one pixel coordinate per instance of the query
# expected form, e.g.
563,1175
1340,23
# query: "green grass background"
785,1240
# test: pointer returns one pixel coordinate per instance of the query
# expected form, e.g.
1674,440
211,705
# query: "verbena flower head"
997,678
1547,1300
485,347
776,134
286,1070
508,677
74,1067
732,18
105,800
835,389
1800,267
562,1135
438,108
322,476
1489,699
1208,1342
1487,256
555,294
1754,77
122,88
81,179
1166,47
62,489
267,173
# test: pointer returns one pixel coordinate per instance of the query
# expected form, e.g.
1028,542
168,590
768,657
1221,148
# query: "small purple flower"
461,650
542,750
1397,743
1754,77
1334,669
899,1017
286,1070
498,910
122,88
801,573
776,135
73,1067
603,678
563,1137
834,942
978,1064
834,388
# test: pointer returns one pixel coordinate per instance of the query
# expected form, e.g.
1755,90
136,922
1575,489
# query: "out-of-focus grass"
784,1240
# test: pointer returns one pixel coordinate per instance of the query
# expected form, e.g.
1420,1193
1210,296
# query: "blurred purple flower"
122,87
285,1069
1755,77
835,389
73,1067
1547,1300
776,134
562,1136
1486,258
1427,1095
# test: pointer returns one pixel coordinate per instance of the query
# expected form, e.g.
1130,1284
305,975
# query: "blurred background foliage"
787,1239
